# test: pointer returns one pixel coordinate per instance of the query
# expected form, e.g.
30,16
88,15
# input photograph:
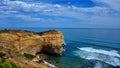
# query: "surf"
109,57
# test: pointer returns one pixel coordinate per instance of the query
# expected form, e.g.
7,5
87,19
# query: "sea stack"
50,42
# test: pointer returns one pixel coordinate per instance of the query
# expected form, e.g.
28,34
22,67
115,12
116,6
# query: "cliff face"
51,42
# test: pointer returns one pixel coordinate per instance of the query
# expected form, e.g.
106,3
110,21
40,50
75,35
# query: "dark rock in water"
51,42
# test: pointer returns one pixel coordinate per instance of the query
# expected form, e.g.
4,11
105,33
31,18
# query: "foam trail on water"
51,65
109,57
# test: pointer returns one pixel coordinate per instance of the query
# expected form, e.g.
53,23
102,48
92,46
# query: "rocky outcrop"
51,42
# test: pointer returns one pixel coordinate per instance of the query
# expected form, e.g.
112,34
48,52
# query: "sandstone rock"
51,42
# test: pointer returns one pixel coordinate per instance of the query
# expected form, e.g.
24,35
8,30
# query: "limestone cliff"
51,42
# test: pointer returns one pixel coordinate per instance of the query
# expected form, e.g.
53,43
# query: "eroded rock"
51,42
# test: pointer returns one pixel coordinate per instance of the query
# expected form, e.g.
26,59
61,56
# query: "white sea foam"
98,65
111,53
64,42
47,63
109,57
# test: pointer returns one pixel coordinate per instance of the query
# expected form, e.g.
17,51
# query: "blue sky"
60,13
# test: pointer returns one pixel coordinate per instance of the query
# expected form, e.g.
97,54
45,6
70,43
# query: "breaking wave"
110,57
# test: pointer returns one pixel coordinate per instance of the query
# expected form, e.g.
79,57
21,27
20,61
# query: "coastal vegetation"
5,64
29,56
2,54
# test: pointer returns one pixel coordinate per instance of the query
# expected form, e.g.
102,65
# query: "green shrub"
2,54
29,56
5,64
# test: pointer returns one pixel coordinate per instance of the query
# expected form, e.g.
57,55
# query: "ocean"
87,48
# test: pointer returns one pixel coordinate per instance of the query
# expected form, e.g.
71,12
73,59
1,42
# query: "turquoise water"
88,48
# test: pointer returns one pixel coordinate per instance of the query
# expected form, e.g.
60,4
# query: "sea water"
87,48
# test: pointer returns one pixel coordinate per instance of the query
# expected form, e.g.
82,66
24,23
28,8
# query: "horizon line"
55,28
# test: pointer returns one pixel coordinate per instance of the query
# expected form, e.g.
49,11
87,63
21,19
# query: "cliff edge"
29,49
51,42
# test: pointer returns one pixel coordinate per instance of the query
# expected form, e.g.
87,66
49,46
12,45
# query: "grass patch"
2,54
29,56
5,64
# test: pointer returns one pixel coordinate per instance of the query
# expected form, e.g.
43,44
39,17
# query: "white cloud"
51,8
96,14
35,7
24,17
113,4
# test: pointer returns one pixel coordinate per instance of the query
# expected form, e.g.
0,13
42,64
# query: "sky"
60,13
